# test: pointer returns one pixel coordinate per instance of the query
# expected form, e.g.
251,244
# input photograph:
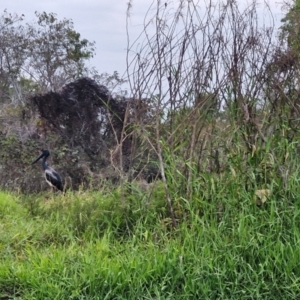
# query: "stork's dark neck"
44,163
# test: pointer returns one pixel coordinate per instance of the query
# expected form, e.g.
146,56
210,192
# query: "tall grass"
88,245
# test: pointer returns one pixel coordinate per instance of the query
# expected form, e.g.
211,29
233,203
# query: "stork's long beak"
38,158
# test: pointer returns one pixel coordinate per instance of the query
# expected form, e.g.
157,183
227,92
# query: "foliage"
12,57
37,58
57,52
216,112
49,52
290,29
16,158
204,101
78,114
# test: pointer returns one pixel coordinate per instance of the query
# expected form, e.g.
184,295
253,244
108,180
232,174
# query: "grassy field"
90,245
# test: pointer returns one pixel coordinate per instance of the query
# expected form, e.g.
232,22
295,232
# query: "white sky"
102,21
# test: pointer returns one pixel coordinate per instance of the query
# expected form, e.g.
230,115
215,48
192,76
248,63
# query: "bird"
51,176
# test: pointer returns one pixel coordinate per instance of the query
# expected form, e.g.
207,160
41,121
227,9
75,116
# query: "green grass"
92,245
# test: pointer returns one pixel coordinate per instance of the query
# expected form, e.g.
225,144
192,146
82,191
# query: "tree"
290,30
13,44
49,52
282,88
57,52
84,115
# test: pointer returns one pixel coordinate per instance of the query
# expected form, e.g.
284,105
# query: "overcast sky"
102,21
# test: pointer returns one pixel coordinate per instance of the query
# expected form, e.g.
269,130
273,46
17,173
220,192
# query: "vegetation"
88,245
187,188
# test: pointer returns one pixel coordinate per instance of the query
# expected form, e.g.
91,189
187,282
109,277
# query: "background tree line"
214,93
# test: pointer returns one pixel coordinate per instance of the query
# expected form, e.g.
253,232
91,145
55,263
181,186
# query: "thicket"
213,95
185,186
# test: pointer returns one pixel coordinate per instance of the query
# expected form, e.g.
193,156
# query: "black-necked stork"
52,177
